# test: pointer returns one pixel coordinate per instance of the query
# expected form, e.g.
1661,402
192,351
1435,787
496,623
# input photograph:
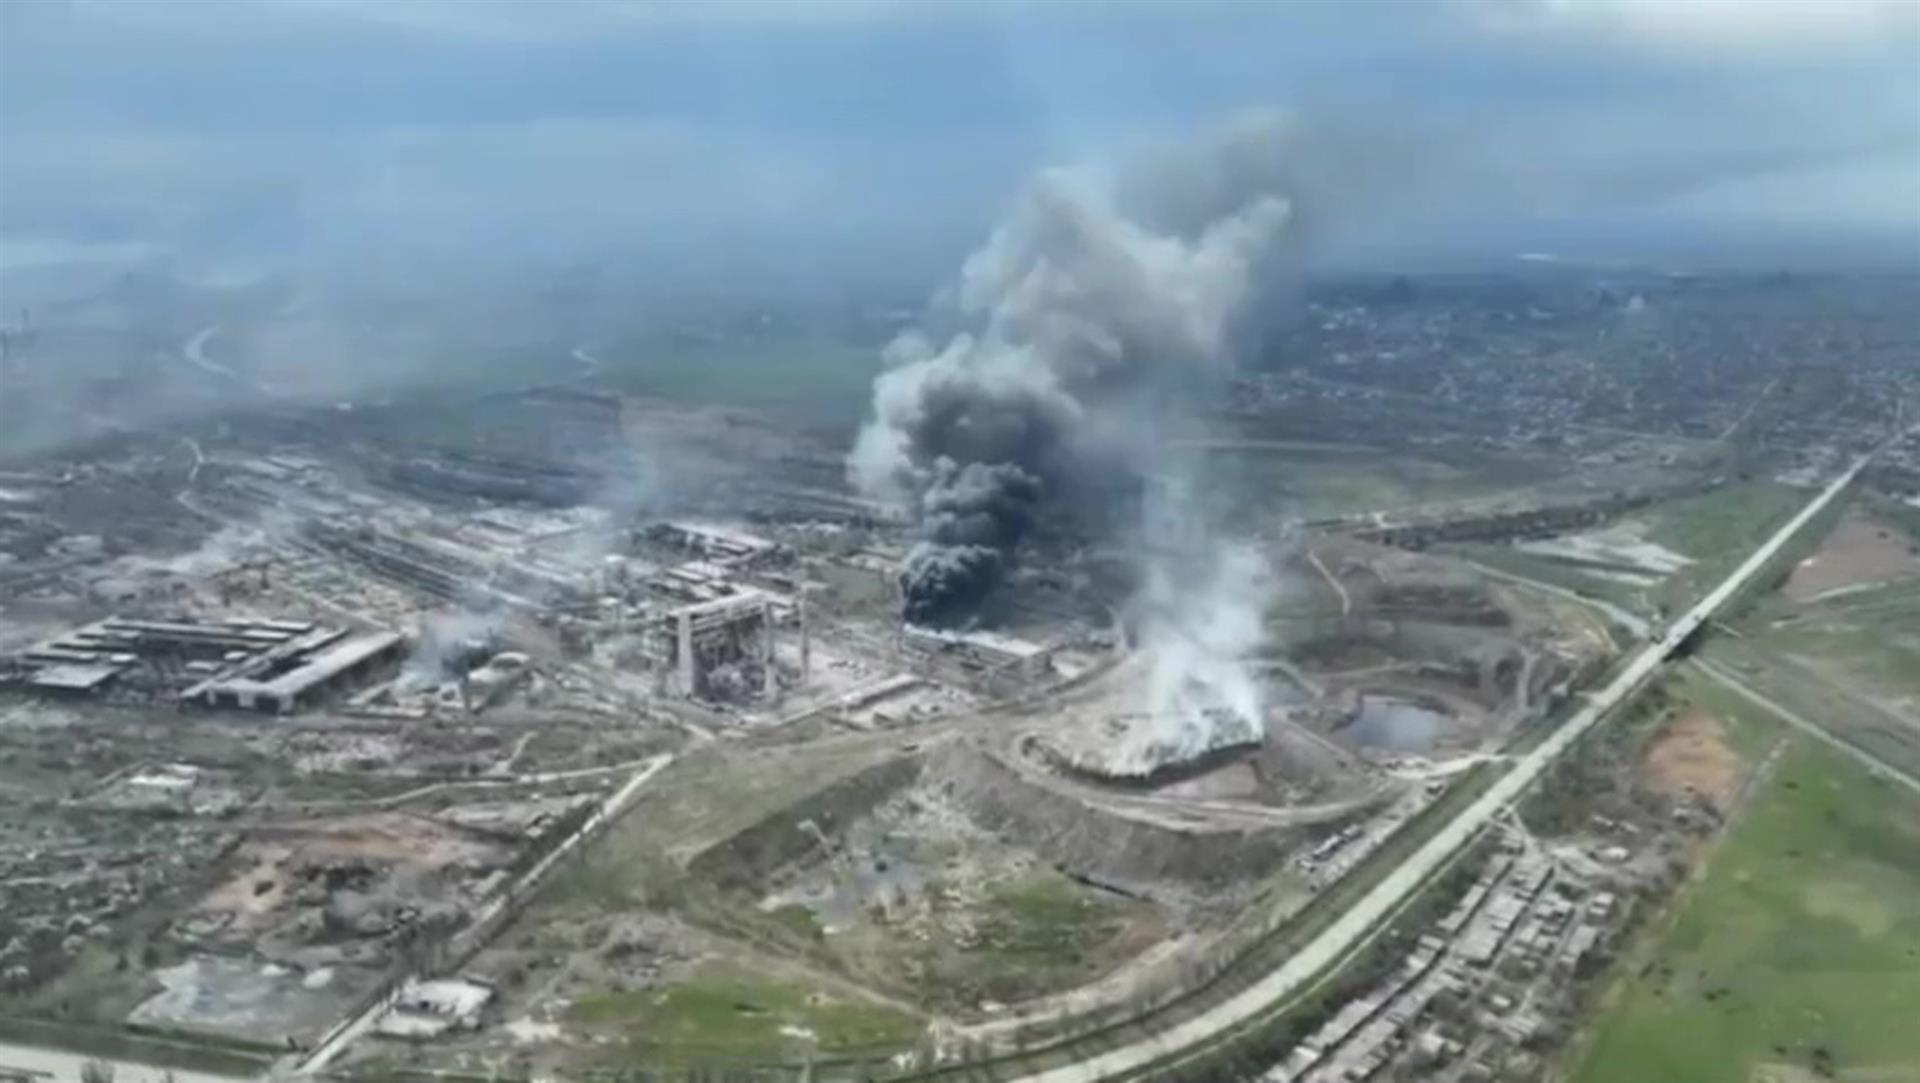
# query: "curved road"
1388,895
195,352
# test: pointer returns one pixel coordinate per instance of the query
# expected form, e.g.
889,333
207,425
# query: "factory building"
717,545
253,663
984,654
733,635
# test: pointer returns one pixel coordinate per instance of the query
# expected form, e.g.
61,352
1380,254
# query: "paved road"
1352,927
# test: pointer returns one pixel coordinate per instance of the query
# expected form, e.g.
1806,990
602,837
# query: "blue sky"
325,130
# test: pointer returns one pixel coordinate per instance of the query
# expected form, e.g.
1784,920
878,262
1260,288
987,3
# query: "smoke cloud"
1035,381
1199,619
970,516
448,643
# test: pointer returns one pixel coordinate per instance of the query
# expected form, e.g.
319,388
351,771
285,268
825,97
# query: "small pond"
1396,724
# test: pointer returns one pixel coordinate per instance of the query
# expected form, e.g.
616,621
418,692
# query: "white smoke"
445,643
1067,310
1038,378
1040,381
232,546
1201,634
1199,622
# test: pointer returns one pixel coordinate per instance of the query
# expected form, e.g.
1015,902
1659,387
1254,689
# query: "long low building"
298,686
983,652
256,663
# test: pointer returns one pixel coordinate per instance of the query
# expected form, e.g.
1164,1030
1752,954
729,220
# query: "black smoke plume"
1035,381
970,516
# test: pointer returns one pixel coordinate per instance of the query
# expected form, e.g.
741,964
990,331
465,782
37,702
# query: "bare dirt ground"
1692,757
1860,550
271,866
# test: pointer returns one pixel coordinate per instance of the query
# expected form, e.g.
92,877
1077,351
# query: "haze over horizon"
868,138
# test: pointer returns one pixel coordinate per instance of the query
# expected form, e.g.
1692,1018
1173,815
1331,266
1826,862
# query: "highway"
1352,927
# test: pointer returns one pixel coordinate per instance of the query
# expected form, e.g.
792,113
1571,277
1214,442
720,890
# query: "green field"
1876,642
1727,520
1323,481
1544,569
803,381
1898,512
1870,640
1035,934
1867,640
1748,728
726,1014
1794,956
1718,530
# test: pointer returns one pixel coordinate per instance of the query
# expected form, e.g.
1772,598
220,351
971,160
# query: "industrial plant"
1157,656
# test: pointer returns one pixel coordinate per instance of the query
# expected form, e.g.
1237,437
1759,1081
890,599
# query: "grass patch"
1896,511
1545,569
1085,1035
1871,636
1750,730
952,948
1728,520
101,984
1036,933
1833,700
1721,528
1318,484
1799,946
805,379
797,920
1881,646
1867,640
1044,922
727,1015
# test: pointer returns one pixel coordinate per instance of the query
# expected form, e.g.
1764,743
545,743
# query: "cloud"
1718,29
509,125
566,21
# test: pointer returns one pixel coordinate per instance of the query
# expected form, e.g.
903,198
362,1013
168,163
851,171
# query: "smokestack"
768,686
